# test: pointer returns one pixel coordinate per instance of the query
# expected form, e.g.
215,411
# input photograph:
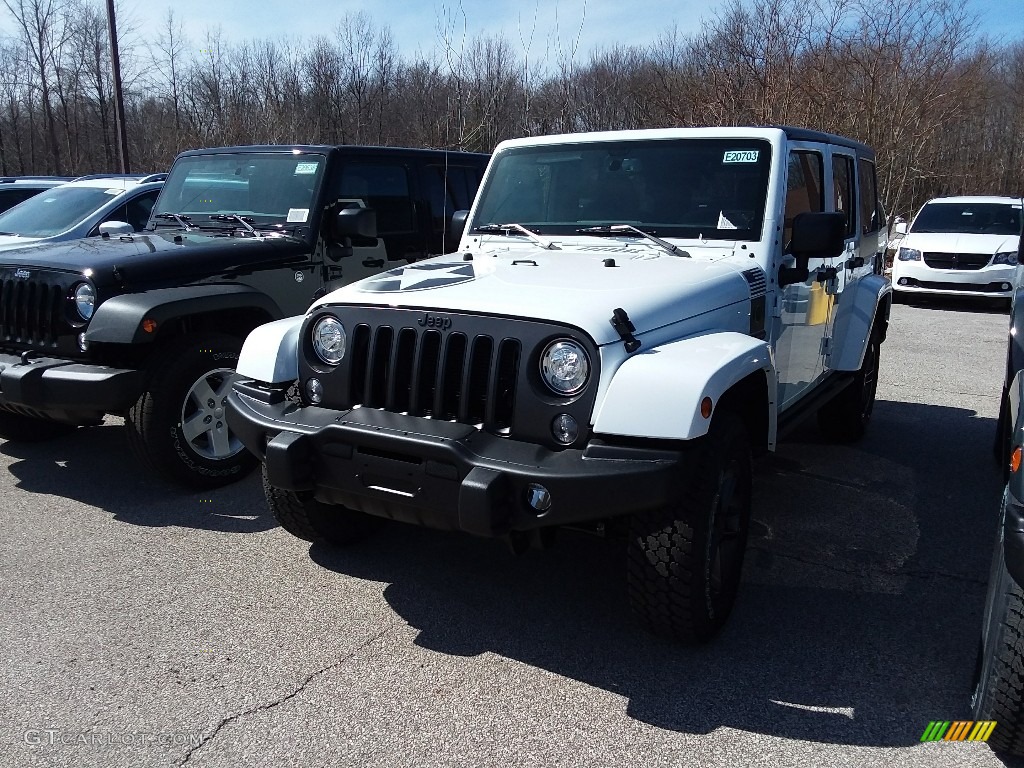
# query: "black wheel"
177,427
26,429
845,417
305,517
684,561
999,675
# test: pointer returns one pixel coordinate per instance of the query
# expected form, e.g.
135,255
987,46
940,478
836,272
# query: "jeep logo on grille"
22,273
435,321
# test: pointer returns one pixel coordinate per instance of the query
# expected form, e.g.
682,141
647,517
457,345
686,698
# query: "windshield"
969,218
54,211
715,188
268,190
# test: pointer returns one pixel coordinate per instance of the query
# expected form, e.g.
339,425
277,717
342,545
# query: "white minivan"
960,246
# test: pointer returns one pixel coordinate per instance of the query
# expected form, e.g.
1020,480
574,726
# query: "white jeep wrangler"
631,316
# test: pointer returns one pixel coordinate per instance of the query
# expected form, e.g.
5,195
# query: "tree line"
942,106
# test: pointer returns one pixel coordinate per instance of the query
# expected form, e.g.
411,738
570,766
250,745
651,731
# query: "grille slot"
455,377
937,260
30,312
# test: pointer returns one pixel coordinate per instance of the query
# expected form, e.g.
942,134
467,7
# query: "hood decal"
420,277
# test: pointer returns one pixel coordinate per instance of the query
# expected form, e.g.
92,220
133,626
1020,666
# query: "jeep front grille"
31,311
456,377
956,260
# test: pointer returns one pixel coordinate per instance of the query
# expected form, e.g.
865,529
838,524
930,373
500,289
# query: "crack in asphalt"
919,574
276,702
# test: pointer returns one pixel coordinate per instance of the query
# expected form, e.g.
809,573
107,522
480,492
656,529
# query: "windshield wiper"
504,229
180,218
618,229
237,217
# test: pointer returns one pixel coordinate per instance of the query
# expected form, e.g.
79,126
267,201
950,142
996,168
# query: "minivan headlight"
85,300
909,254
329,340
564,367
1005,257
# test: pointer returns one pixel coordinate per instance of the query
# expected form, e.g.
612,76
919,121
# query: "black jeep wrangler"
149,325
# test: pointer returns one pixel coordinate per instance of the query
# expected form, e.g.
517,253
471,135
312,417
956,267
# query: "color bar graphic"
958,730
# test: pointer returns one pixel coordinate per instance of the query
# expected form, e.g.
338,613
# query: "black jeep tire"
999,675
25,429
684,561
845,418
306,518
177,427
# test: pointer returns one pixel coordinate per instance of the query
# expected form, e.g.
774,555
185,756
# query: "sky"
536,27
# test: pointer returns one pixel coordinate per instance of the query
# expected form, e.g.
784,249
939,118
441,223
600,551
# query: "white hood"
571,286
955,242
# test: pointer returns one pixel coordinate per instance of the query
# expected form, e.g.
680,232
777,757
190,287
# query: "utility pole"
115,60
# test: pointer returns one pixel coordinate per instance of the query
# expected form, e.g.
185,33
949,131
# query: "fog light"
538,497
82,343
565,429
904,281
1006,286
314,391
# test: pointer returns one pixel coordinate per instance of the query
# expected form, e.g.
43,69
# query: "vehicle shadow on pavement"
858,619
93,465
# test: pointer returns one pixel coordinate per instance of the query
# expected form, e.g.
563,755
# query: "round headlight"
85,300
564,367
329,340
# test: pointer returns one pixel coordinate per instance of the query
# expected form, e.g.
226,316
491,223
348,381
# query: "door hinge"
826,346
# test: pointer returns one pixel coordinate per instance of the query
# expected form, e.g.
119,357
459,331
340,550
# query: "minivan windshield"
687,188
55,210
969,218
266,189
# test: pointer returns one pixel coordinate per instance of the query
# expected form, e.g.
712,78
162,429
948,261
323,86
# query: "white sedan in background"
960,246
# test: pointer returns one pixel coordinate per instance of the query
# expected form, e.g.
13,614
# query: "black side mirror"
817,236
458,226
354,222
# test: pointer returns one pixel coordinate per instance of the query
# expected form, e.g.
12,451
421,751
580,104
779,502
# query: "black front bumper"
443,474
66,389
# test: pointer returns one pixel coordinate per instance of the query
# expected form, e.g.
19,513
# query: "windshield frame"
217,190
667,176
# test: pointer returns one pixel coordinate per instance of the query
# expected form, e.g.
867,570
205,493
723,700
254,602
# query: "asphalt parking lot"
143,626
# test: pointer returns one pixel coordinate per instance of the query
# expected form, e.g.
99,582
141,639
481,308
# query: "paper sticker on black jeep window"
298,215
420,277
305,169
741,156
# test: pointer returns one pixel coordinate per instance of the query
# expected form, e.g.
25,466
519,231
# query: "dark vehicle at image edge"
999,674
149,325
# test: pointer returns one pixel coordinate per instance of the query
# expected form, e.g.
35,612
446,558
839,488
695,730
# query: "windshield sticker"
724,223
741,156
420,277
297,215
305,169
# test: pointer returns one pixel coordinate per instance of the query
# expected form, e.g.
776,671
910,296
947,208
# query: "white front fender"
270,353
657,393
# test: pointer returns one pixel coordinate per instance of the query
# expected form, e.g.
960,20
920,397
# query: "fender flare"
657,393
855,316
270,353
118,320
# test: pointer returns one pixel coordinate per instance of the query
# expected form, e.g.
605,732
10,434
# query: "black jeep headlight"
329,339
85,300
564,367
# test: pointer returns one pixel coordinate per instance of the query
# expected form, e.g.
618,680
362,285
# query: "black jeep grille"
31,311
956,260
453,376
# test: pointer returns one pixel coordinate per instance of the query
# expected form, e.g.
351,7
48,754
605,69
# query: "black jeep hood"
155,257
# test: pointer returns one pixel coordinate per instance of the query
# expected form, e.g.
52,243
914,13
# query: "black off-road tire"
845,418
156,432
999,675
306,518
26,429
684,561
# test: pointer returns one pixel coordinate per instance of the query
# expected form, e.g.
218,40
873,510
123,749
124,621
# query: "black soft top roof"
806,134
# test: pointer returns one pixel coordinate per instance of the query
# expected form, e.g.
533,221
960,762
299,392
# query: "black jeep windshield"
267,190
687,188
969,218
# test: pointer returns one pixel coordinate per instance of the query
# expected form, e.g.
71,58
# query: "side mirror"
900,228
354,222
116,229
458,226
815,236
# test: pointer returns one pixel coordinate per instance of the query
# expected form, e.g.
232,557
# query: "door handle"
373,262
